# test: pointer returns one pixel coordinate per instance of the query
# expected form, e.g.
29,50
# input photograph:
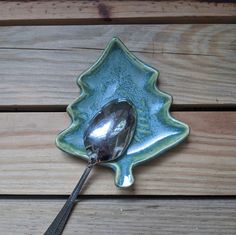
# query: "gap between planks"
121,196
204,164
173,108
113,12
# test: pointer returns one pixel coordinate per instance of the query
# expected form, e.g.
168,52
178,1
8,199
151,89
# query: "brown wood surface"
129,216
203,165
39,65
38,70
96,12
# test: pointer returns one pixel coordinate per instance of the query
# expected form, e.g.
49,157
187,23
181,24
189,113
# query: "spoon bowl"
110,131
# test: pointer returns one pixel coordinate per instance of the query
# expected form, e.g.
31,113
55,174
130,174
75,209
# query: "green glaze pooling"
119,74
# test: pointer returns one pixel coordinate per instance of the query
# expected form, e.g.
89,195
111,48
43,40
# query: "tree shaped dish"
118,74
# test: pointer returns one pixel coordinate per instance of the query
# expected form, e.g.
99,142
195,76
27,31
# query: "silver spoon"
106,138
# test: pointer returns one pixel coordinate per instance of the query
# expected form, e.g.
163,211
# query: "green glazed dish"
118,74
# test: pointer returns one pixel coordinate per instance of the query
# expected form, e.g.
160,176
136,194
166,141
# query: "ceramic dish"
119,74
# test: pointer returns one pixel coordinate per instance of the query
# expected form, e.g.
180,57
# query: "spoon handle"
58,224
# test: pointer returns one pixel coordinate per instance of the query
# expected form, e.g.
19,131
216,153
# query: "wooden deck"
45,45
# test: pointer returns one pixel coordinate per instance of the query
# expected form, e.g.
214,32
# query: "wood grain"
97,12
129,216
38,68
39,65
203,165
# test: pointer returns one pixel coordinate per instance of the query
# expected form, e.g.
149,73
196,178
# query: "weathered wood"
39,65
130,216
203,165
95,12
189,39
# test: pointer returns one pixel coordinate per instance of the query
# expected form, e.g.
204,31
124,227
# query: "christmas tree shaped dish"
118,74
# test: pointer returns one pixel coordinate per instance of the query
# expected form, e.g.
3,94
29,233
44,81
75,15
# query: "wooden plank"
189,39
134,216
39,65
203,165
95,12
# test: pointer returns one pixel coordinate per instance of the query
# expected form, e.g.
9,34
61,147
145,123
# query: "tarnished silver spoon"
106,138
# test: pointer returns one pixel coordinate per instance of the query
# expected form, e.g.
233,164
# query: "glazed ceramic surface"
118,74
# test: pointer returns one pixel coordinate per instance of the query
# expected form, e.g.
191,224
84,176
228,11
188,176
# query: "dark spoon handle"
58,224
